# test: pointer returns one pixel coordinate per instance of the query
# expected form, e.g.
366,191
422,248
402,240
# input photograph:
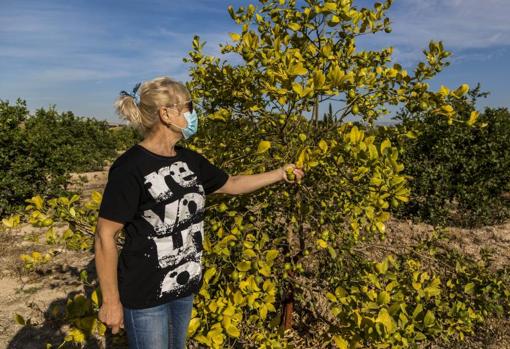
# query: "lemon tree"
292,60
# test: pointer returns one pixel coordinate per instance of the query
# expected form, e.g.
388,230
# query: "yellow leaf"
193,326
323,145
318,78
38,202
463,89
203,340
238,298
96,197
268,285
322,243
340,342
229,311
95,297
385,318
331,297
355,135
76,335
334,20
270,307
263,311
301,158
307,91
265,270
447,108
297,69
263,146
410,135
329,6
294,26
473,117
443,91
296,87
385,144
215,336
209,274
249,253
12,221
402,198
235,36
233,331
372,150
271,255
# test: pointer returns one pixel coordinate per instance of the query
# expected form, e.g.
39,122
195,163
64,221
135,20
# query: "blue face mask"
192,126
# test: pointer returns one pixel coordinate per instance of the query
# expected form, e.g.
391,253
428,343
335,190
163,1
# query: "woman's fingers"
292,173
299,173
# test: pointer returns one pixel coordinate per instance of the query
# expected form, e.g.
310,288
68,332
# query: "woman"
156,191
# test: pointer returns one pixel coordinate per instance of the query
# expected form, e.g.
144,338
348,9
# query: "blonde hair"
158,92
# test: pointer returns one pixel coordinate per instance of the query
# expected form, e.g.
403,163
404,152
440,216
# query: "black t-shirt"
161,201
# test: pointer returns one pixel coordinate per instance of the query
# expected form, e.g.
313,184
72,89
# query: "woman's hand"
112,315
291,173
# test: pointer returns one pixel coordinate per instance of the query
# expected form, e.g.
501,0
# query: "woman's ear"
166,113
163,111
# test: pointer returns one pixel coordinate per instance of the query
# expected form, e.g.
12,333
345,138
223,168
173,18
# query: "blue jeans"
161,327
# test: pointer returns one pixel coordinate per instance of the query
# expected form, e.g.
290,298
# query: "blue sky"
79,54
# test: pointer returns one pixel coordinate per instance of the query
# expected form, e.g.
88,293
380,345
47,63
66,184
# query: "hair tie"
133,94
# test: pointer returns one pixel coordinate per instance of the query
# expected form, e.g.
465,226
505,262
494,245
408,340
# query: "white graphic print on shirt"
175,245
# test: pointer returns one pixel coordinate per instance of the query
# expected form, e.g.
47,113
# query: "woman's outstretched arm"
243,184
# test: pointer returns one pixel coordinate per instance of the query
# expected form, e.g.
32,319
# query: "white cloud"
47,46
63,74
461,25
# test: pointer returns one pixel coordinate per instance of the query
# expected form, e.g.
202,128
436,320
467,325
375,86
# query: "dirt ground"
33,295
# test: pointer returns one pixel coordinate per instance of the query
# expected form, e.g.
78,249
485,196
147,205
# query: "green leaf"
469,288
19,319
271,255
417,310
383,297
429,319
243,266
382,267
